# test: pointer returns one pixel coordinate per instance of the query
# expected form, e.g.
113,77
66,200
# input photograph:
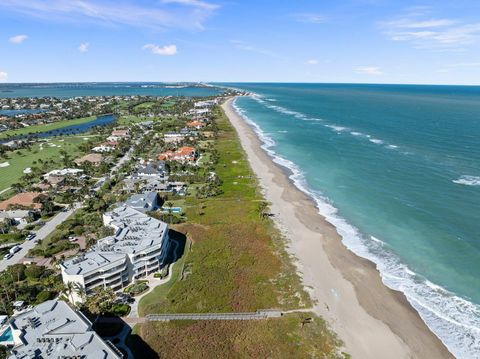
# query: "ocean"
396,168
67,90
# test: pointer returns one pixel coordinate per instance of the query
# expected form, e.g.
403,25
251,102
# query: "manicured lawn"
47,127
145,105
237,263
126,120
21,159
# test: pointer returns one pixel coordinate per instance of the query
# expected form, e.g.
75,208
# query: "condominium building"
53,330
137,248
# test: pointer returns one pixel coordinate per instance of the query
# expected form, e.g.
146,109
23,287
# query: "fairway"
21,159
48,127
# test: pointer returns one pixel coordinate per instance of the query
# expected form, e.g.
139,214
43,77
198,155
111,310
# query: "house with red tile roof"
93,158
25,199
196,124
183,154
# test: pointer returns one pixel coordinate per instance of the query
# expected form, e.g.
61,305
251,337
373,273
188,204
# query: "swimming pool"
7,336
174,209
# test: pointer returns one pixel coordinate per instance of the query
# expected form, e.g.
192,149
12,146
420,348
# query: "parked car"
15,249
30,236
8,256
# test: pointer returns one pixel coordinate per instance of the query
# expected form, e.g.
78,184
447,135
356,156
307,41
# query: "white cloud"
368,70
184,14
309,18
18,39
312,62
421,24
167,50
431,33
84,47
194,3
3,76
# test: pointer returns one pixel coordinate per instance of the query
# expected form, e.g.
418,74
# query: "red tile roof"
22,199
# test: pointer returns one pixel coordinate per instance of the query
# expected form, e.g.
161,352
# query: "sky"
354,41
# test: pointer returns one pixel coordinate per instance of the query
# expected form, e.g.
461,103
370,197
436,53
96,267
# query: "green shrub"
34,272
120,310
43,296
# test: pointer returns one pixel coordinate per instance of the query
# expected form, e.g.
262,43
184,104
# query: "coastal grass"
285,337
237,263
46,127
48,152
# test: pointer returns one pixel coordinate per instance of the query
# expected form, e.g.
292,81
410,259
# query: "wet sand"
372,320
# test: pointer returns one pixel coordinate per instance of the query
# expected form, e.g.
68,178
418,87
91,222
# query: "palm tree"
170,206
80,290
69,289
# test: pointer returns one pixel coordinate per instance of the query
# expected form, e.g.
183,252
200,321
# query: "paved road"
43,232
50,226
120,162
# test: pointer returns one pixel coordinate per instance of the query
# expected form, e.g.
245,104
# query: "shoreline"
373,321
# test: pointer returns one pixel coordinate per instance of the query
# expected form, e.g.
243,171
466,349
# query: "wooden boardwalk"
258,315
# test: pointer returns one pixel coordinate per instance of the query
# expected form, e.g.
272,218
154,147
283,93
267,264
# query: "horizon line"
236,82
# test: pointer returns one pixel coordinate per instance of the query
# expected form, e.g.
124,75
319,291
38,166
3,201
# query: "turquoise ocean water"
397,170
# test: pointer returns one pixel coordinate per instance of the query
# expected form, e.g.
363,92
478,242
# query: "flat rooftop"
136,232
53,329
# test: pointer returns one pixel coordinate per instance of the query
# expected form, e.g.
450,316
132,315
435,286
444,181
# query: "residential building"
144,202
118,134
53,330
173,137
155,169
196,124
23,200
108,146
94,158
183,154
138,247
18,216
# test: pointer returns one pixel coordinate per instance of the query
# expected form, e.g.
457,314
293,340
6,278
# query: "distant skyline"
354,41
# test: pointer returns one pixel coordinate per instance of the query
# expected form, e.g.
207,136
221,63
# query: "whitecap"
455,320
336,128
376,141
468,180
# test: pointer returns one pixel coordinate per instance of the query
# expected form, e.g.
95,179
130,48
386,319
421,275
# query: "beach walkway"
259,314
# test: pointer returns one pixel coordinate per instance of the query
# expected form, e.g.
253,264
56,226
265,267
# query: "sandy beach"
372,320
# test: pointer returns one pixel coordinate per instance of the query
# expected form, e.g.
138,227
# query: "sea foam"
468,180
455,320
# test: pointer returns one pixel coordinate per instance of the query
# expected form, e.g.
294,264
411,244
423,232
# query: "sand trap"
4,164
27,170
